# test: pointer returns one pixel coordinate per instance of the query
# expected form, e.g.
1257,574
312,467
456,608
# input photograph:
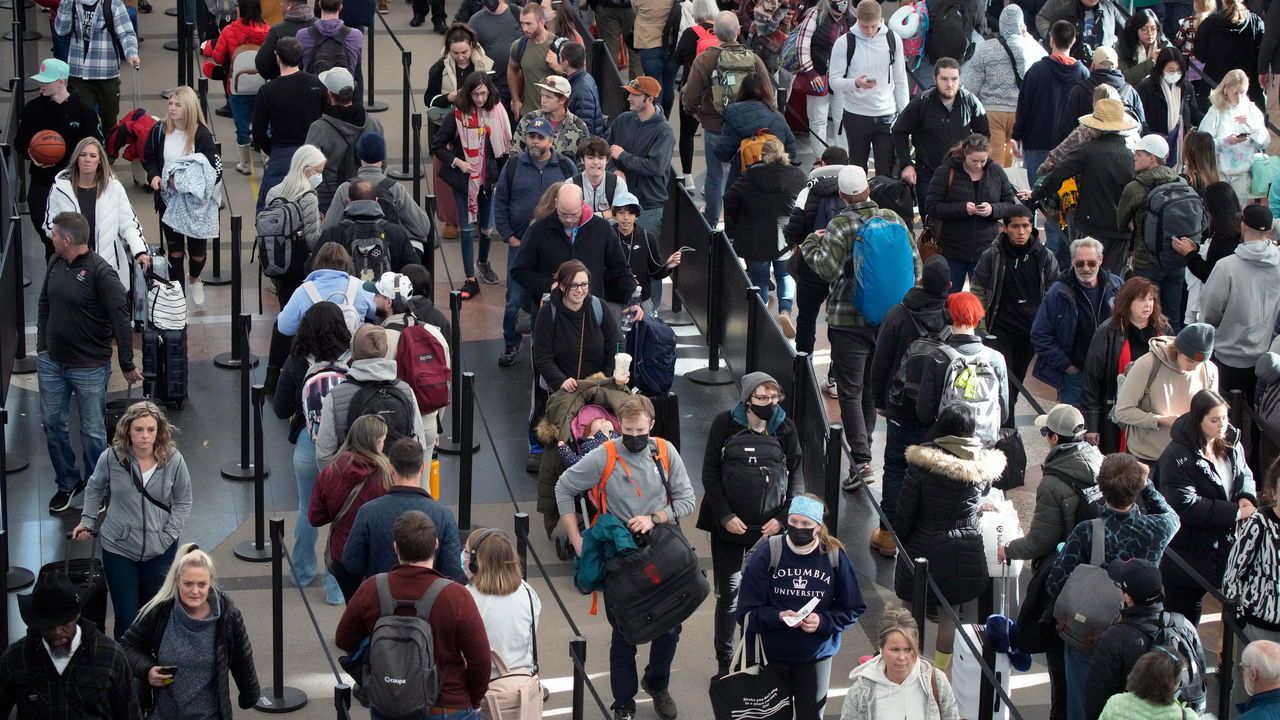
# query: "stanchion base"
229,361
235,471
216,280
680,319
26,36
24,365
15,463
453,447
171,45
249,550
707,376
399,174
376,106
18,578
280,700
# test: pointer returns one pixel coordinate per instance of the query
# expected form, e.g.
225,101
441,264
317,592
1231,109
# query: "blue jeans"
622,666
303,557
1071,389
1077,665
713,188
899,435
660,65
1055,239
758,270
58,382
517,298
1171,282
132,583
242,114
960,270
467,231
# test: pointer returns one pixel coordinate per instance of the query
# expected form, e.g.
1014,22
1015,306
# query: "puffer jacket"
741,121
938,519
897,332
606,538
1101,368
117,232
1206,504
230,38
1132,208
335,134
1120,646
1067,469
1080,99
338,401
816,203
136,528
1253,570
333,485
191,203
1064,313
233,654
1171,390
584,101
988,277
964,237
757,206
870,686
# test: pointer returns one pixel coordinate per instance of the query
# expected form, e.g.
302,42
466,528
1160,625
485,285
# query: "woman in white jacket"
1238,130
899,683
89,187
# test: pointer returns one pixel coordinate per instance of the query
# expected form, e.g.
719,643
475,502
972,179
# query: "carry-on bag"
86,574
652,589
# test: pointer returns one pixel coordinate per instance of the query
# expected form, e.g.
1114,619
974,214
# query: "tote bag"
758,692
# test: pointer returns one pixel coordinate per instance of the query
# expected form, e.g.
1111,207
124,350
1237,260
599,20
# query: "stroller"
581,443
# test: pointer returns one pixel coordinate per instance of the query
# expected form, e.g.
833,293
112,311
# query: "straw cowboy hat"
1109,115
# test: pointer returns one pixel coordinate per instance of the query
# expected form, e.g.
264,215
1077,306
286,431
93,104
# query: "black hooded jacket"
1118,650
1080,100
1011,281
572,343
897,332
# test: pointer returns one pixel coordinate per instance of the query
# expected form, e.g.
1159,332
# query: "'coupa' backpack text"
320,379
881,267
971,380
1090,600
400,677
422,362
1174,209
280,228
328,51
367,242
732,65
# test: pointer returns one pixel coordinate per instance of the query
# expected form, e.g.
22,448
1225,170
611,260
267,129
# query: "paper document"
802,613
1018,178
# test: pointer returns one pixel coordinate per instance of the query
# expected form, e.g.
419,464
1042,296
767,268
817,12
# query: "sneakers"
486,274
830,388
859,477
788,326
624,714
61,500
689,183
663,703
882,542
197,292
508,356
470,289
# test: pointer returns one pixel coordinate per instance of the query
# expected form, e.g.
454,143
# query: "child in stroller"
591,426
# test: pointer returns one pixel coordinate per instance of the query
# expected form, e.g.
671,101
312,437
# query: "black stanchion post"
799,398
23,363
522,542
671,217
202,93
416,121
406,62
180,12
342,701
454,443
753,330
578,655
713,374
20,28
278,698
215,276
371,105
257,549
239,350
465,460
1226,662
245,469
920,593
189,34
4,615
15,577
832,475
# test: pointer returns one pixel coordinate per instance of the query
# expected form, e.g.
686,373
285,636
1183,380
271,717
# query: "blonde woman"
191,626
507,604
898,682
1238,130
306,171
89,187
146,478
183,133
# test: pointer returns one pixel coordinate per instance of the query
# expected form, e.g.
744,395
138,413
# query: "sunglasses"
1086,263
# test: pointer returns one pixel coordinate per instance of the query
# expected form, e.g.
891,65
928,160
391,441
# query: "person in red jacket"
248,29
461,644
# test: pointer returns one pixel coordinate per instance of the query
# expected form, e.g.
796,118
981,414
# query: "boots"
245,166
882,542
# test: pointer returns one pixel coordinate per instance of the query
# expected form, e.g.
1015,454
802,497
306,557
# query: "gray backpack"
400,676
1090,600
281,229
1174,209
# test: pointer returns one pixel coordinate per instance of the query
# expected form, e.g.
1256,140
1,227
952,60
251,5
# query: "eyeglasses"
1086,263
766,398
579,285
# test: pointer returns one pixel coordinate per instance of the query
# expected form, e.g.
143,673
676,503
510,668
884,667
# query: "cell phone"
169,670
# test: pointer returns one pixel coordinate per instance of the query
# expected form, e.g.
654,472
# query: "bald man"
1260,665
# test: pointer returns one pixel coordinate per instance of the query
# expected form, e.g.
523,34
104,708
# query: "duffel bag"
652,589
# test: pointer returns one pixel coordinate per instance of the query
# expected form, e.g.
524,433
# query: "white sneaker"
197,292
830,388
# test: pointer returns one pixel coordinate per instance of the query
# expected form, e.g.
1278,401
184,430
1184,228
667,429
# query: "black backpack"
384,399
852,44
367,243
1179,635
387,200
951,24
893,194
753,473
328,51
921,357
1090,501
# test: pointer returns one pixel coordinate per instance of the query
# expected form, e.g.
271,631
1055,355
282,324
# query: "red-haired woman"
965,310
1136,319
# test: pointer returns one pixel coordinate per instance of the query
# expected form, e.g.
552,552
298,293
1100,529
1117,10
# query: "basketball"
47,147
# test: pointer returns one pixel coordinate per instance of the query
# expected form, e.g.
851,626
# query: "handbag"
930,241
758,692
454,178
166,304
342,513
515,695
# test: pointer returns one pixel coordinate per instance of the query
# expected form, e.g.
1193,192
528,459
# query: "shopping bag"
999,527
756,692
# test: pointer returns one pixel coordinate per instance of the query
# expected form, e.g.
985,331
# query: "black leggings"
176,245
809,685
688,129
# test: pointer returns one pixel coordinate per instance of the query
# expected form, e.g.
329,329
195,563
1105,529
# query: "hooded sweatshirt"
1242,299
1044,91
335,133
1170,391
897,332
871,58
873,695
333,485
989,73
400,250
330,27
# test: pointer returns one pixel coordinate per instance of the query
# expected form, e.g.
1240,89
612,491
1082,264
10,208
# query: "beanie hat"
935,278
1267,368
370,341
1195,341
372,148
751,381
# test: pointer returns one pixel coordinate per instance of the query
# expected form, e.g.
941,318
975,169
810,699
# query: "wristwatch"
654,518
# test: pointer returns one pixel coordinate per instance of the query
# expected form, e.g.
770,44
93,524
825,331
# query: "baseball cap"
1105,57
52,70
852,180
644,85
1258,218
1139,578
337,79
1152,145
555,84
390,285
1062,420
626,199
541,126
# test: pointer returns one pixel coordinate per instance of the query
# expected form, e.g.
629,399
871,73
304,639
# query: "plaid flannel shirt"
828,254
96,57
97,684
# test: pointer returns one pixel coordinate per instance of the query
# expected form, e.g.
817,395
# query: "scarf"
965,448
473,129
1173,103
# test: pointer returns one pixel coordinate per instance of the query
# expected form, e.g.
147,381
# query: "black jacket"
1190,483
641,249
989,276
1269,55
446,146
716,506
1101,167
574,344
1099,387
97,685
1080,100
756,204
233,653
927,125
1156,107
265,60
964,236
399,248
1220,246
937,519
153,154
82,307
72,119
1223,47
284,110
824,197
546,246
897,332
1118,650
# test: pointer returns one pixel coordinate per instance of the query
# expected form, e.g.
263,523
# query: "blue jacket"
327,282
608,537
1044,93
1053,332
519,187
584,101
369,548
1263,706
741,121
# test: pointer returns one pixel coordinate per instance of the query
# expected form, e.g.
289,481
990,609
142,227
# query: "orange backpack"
597,498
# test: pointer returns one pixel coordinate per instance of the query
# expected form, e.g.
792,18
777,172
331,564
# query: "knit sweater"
188,644
989,74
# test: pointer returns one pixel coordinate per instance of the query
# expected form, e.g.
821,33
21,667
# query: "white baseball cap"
390,285
1152,145
852,180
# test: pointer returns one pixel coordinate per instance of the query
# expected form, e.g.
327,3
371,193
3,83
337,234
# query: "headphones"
480,537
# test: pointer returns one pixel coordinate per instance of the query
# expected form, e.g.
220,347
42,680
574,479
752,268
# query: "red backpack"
422,362
130,135
706,38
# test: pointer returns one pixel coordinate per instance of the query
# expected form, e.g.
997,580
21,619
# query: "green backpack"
734,64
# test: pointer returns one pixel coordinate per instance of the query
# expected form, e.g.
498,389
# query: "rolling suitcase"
164,361
86,574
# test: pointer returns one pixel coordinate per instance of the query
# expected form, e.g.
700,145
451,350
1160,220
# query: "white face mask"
466,567
315,180
1172,78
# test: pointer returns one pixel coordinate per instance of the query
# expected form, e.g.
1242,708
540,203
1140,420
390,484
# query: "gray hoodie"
1242,299
336,133
873,695
338,401
136,528
634,488
413,218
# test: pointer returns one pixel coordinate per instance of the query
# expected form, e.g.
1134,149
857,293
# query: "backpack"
367,243
245,79
828,206
733,64
225,10
971,380
1090,600
1174,209
652,344
912,45
316,384
753,473
775,555
610,185
422,362
400,677
280,229
384,399
129,135
851,43
1090,497
1178,634
706,39
789,55
950,31
893,194
921,356
386,199
881,266
597,497
328,51
671,29
346,301
751,148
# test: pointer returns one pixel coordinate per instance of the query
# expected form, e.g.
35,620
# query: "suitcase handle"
66,550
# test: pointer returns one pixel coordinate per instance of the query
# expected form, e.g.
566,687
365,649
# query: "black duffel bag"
649,591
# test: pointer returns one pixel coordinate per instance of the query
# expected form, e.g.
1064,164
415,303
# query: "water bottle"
628,318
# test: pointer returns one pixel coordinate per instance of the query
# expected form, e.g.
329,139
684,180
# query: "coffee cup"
622,368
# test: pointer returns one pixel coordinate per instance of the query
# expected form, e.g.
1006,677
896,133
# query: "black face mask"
800,537
635,443
764,412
